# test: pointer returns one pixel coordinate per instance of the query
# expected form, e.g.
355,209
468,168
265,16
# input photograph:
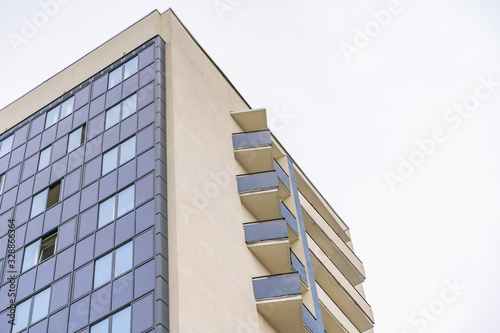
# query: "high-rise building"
141,193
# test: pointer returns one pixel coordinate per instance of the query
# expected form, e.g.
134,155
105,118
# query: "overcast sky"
390,108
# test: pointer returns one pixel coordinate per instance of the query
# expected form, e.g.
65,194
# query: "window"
123,72
116,206
121,111
46,199
59,112
76,138
39,251
121,258
2,178
44,160
120,322
6,145
32,310
118,155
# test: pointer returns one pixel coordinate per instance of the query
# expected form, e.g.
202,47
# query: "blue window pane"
125,201
106,212
121,321
31,254
6,145
123,258
2,178
112,116
100,327
129,106
75,139
131,67
102,271
127,150
67,107
44,160
115,77
109,161
22,316
52,117
41,305
39,203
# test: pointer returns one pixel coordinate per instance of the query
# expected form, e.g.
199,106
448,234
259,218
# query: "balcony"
339,289
251,120
269,242
260,193
279,300
254,150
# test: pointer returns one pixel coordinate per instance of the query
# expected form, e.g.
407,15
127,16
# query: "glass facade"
74,176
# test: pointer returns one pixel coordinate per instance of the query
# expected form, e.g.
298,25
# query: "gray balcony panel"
257,181
282,175
266,231
253,139
298,267
309,320
290,219
277,286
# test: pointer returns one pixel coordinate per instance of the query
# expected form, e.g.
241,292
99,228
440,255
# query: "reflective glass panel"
109,161
131,67
102,272
75,139
100,327
127,150
39,203
44,160
22,316
106,212
115,77
112,116
40,305
52,117
125,201
123,258
121,321
6,145
129,106
31,254
67,107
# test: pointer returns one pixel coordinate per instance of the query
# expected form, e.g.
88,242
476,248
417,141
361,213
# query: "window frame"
31,309
37,258
113,273
118,159
82,138
49,148
115,200
107,124
109,320
10,140
58,111
48,190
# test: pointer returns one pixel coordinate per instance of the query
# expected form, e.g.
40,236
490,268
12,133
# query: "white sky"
349,125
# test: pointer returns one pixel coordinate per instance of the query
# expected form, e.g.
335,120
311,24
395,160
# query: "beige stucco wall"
211,268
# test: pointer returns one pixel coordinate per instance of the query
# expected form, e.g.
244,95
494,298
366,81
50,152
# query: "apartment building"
139,192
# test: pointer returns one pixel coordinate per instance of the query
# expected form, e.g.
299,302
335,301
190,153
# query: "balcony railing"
253,150
279,300
309,321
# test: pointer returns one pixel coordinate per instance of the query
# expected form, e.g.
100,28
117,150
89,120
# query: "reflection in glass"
125,201
102,272
106,212
123,258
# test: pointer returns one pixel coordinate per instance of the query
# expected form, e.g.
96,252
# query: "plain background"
349,122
